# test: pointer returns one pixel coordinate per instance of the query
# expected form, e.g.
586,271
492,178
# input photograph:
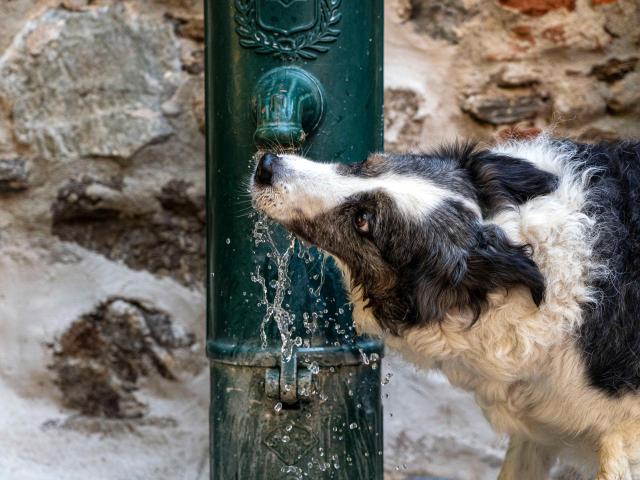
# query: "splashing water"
275,309
275,292
275,284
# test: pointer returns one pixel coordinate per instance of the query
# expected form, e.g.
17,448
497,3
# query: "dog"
515,270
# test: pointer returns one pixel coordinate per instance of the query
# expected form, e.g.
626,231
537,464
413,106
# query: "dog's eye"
361,222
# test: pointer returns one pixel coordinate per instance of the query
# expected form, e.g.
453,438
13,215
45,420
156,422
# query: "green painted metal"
301,74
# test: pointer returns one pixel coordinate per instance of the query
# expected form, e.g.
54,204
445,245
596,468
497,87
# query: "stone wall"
102,367
492,68
102,370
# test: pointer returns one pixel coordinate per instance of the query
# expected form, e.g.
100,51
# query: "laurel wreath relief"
307,45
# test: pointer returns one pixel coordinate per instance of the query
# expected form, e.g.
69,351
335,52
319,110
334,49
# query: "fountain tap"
289,104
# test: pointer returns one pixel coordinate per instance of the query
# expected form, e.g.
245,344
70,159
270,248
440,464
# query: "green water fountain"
306,76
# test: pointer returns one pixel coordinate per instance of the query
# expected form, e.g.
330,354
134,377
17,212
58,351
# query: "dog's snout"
264,171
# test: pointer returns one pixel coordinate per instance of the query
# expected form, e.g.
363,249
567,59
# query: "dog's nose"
264,172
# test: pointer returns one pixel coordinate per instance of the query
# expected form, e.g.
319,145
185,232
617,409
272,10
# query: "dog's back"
610,333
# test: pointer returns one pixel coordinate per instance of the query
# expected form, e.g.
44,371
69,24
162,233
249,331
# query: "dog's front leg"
526,460
614,463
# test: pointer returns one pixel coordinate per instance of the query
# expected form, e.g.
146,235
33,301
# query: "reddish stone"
524,33
555,34
602,2
537,8
518,133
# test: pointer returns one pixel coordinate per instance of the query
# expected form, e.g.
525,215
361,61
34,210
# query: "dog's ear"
502,180
493,262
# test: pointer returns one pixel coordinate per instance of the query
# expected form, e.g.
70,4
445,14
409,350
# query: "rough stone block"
73,98
169,240
101,356
402,122
14,175
624,95
440,18
515,75
614,69
499,109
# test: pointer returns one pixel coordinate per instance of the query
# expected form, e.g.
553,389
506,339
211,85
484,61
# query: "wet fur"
531,300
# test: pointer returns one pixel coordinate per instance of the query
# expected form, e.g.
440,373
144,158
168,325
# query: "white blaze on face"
305,189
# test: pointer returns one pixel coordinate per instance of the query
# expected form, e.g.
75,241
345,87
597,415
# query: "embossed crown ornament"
288,29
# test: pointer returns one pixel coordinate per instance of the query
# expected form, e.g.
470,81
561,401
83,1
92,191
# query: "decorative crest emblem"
290,445
288,29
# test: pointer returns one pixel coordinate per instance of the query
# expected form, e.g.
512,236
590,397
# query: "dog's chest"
531,409
516,407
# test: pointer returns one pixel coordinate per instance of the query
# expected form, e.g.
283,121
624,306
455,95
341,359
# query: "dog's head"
410,229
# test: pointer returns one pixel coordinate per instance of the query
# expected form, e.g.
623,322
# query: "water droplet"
278,407
353,426
292,470
364,357
228,241
387,378
285,439
314,368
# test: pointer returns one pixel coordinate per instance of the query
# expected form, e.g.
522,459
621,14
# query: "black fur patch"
492,262
502,180
610,334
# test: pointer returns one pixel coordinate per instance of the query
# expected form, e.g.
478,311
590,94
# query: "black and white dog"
514,270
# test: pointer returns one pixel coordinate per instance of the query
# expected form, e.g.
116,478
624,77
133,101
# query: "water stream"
275,308
279,302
